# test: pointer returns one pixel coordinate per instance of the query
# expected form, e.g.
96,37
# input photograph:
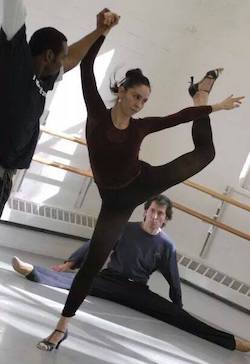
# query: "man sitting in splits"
142,249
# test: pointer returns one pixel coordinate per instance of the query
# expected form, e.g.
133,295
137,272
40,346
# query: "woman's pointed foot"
206,83
53,341
21,267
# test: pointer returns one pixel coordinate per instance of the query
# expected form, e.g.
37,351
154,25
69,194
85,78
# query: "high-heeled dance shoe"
211,75
46,345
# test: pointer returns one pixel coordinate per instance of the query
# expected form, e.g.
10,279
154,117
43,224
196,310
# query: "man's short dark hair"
162,201
46,38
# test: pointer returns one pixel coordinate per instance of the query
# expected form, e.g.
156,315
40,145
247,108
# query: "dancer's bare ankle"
63,322
200,98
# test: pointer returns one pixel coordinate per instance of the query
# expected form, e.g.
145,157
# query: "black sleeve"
94,103
169,269
15,61
154,124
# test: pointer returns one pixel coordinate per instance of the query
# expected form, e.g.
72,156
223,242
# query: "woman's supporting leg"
109,227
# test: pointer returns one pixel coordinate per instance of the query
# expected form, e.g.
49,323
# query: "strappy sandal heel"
46,345
195,87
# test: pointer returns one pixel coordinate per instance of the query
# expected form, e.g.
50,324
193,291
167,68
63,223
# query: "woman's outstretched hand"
229,103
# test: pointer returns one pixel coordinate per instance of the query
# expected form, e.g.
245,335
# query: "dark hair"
133,77
162,201
46,38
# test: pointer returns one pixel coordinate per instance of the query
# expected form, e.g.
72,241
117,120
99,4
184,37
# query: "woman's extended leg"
158,179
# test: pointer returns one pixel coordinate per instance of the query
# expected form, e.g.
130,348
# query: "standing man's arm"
169,269
78,50
14,15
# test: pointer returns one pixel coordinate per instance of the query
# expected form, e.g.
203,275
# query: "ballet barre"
59,134
188,183
217,195
65,167
211,221
178,206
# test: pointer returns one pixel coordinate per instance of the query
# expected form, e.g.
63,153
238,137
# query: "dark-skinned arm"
78,50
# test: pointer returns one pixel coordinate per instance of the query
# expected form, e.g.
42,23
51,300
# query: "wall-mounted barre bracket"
212,229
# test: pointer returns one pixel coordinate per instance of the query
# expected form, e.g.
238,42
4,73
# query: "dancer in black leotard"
114,138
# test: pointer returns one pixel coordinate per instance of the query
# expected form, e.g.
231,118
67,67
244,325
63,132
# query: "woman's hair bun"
136,72
134,77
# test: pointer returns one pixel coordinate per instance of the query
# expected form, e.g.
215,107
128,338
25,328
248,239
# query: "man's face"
55,62
155,216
